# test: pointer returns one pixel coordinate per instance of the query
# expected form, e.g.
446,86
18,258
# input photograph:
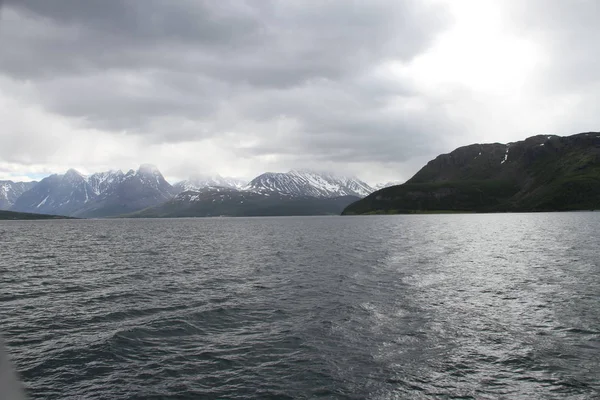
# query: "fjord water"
382,307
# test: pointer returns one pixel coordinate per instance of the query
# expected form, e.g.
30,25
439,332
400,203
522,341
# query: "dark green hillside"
12,215
541,173
225,202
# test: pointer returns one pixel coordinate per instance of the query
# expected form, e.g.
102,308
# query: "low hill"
540,173
12,215
235,203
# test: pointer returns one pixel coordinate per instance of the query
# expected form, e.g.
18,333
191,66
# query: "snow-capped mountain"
100,194
101,182
292,193
124,193
10,192
114,193
56,194
308,183
202,182
147,181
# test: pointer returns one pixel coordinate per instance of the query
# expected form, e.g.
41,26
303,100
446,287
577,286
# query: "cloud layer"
373,88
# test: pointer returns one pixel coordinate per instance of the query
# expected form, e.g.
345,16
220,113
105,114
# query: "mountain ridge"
308,183
97,195
539,173
113,193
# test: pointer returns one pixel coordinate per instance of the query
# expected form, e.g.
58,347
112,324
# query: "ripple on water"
452,306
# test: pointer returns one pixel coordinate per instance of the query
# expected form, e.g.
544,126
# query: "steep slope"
231,202
57,195
540,173
102,182
130,192
202,182
10,191
308,183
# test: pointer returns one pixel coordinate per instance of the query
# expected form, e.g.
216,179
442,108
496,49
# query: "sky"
371,88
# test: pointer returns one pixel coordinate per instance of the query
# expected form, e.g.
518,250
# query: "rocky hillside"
540,173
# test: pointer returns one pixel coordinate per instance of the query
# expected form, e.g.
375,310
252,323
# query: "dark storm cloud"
81,36
184,70
260,43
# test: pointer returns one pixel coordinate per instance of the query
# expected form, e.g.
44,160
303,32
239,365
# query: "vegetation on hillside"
12,215
237,204
541,173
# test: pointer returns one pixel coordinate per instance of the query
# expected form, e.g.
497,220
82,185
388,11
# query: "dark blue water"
453,306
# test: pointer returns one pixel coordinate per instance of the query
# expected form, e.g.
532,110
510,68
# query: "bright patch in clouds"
479,52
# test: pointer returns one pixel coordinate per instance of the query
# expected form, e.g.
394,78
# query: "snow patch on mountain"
115,193
309,183
10,191
380,186
100,194
100,182
206,182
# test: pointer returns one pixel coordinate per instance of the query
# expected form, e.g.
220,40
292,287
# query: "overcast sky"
373,88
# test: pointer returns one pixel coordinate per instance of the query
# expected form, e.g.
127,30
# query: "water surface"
382,307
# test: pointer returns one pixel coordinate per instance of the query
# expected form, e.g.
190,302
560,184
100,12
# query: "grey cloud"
74,37
260,43
296,82
128,100
189,70
342,123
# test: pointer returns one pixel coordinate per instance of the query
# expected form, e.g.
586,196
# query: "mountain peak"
74,175
73,172
148,169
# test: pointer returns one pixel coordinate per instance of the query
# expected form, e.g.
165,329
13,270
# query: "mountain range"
145,192
540,173
297,192
308,183
98,195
